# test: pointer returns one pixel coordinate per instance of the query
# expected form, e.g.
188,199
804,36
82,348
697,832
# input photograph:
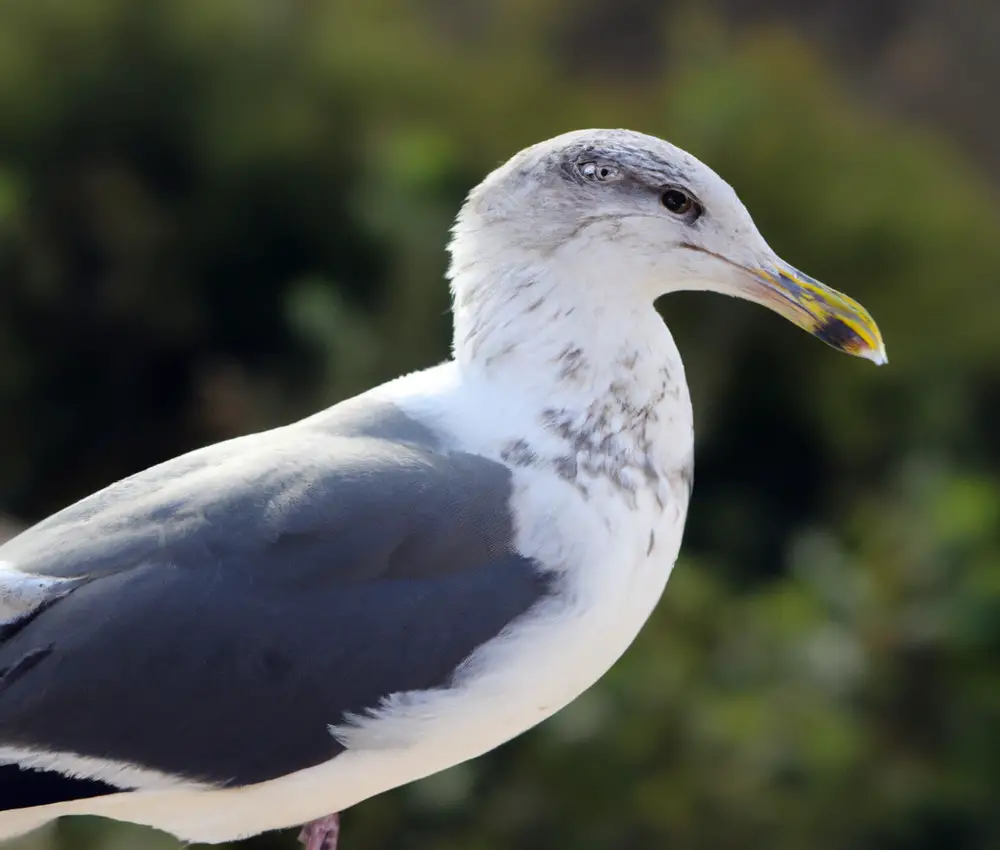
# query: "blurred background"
220,215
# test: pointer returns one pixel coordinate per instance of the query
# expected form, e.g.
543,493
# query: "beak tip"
876,355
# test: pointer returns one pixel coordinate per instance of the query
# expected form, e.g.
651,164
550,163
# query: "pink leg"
321,834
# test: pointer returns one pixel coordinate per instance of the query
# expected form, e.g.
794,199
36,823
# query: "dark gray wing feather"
227,607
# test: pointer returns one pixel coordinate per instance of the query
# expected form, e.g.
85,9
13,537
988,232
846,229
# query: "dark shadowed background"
219,215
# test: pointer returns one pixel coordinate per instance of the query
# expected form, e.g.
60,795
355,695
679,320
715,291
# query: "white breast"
612,549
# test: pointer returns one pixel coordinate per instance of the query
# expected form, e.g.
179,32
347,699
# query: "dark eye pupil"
676,201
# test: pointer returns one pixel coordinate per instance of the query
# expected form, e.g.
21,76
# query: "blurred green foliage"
217,215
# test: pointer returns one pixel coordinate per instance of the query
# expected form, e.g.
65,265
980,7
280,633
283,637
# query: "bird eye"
679,203
599,172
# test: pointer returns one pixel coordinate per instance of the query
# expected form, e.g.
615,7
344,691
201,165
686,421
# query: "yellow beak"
825,313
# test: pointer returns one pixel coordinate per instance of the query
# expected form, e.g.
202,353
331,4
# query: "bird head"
658,220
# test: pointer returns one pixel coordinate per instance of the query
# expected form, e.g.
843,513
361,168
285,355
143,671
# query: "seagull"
271,629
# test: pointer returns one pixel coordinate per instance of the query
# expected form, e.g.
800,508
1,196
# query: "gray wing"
210,618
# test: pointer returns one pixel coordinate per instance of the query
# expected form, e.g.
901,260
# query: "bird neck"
593,387
561,341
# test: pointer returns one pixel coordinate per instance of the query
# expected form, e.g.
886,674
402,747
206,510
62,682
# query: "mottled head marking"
559,172
641,161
